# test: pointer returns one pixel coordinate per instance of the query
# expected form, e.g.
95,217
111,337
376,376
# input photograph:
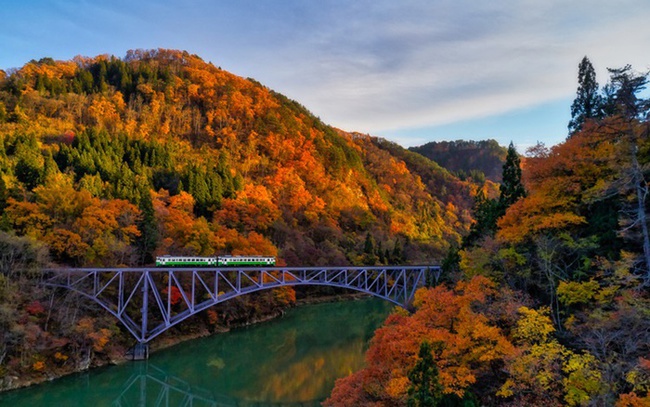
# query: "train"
215,261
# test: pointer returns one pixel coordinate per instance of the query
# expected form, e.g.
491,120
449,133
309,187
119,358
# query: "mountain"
112,161
467,158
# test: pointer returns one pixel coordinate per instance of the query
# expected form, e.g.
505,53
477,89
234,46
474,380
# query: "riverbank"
293,360
9,383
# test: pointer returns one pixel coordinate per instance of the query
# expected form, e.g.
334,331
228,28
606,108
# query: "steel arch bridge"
149,301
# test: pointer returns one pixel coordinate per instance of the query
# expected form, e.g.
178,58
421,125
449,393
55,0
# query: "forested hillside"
547,301
466,158
196,160
110,161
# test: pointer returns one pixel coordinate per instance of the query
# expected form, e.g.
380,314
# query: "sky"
409,71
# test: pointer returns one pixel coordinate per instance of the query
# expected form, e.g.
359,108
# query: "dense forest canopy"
476,159
204,162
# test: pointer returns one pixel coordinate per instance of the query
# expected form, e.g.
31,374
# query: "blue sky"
409,71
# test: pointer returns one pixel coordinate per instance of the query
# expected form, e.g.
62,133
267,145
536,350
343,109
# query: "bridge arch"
149,301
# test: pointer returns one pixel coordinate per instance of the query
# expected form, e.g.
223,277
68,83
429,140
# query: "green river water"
289,361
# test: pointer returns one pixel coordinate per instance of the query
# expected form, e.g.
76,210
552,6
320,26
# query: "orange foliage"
560,179
536,213
213,317
97,338
38,366
632,400
465,344
295,170
183,232
27,218
100,339
253,209
65,244
285,296
175,296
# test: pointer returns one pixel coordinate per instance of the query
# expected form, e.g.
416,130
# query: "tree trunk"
641,194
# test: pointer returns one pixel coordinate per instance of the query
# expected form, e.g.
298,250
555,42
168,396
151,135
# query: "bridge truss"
149,301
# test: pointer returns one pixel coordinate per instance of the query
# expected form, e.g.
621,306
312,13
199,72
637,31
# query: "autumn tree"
543,371
467,344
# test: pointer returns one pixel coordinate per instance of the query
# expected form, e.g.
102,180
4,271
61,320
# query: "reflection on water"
153,387
290,361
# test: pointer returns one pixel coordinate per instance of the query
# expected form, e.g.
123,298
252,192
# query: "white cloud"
433,63
366,65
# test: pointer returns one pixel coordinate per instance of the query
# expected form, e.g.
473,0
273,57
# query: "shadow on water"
290,361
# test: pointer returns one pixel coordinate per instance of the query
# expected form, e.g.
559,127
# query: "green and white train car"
226,261
185,261
220,261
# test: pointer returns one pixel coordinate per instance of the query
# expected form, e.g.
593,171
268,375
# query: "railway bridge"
149,301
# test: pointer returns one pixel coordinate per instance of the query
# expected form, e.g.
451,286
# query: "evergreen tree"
369,244
398,253
29,169
50,167
425,389
488,211
451,262
148,239
622,93
588,102
198,188
511,188
380,253
369,250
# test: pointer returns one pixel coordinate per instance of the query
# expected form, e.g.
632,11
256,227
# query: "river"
289,361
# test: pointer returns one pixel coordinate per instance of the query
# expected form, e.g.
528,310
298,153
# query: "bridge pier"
140,351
